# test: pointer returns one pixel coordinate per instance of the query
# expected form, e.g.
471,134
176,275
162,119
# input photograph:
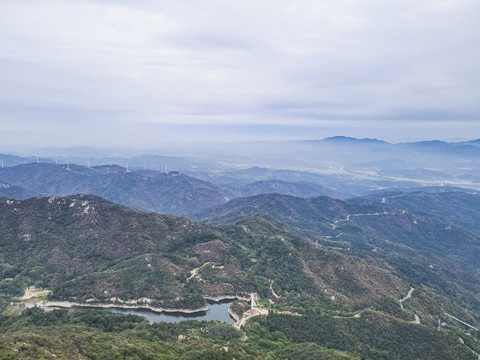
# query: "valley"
370,276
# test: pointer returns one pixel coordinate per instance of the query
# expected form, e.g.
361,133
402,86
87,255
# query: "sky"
138,73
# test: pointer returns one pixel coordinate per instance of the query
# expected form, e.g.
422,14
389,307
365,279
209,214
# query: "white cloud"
249,62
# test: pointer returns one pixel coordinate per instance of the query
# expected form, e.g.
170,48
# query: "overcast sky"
141,72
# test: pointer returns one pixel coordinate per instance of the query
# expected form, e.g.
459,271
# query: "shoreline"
137,306
144,304
68,305
234,317
225,297
239,320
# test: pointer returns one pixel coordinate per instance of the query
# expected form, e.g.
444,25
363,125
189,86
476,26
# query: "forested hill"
84,247
294,188
461,207
15,192
424,248
172,193
313,214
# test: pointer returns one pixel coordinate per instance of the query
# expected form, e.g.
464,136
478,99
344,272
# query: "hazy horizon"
32,149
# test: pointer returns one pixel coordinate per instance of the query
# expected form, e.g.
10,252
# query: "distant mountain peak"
352,139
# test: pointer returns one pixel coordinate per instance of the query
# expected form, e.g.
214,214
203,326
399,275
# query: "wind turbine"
37,159
144,164
2,163
68,166
166,168
88,163
127,168
110,156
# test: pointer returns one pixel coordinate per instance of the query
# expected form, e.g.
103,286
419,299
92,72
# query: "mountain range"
149,190
172,193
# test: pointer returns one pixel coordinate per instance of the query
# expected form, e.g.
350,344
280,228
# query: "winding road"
408,296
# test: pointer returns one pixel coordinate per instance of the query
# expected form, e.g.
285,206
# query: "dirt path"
195,271
249,315
33,293
334,225
356,316
272,291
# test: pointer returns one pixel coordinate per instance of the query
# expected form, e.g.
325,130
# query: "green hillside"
87,250
423,248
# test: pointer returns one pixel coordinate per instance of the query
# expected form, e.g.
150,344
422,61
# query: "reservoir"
217,311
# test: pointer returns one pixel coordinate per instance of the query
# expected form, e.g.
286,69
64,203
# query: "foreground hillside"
87,250
83,247
94,334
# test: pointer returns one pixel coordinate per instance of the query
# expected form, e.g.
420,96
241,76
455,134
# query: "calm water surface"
217,311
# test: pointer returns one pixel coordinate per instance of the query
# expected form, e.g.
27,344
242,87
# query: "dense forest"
100,335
